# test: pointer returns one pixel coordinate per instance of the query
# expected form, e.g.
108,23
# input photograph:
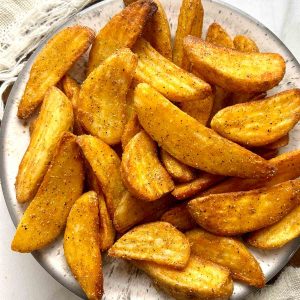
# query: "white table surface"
21,277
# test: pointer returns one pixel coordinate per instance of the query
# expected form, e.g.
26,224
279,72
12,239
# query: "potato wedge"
234,70
54,60
141,170
229,253
107,231
121,31
266,153
283,141
132,211
244,44
179,217
102,98
81,245
131,128
106,165
130,110
259,123
56,117
32,126
189,189
278,234
170,80
240,212
192,143
178,171
92,181
217,35
159,242
190,21
201,279
46,216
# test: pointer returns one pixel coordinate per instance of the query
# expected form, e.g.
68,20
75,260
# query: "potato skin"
244,44
192,143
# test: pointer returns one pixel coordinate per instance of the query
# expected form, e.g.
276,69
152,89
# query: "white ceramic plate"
121,280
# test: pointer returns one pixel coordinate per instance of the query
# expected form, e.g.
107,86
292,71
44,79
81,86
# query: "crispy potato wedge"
46,216
244,44
132,211
190,21
81,245
283,141
170,80
141,170
192,143
55,117
234,70
278,234
32,126
259,123
240,212
106,165
199,109
102,98
229,253
159,242
121,31
92,181
217,35
179,217
178,171
201,279
130,110
54,60
189,189
131,128
107,231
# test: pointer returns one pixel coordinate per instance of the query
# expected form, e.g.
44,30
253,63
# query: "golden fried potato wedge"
55,117
189,189
141,170
159,242
259,123
201,279
54,60
131,211
106,165
131,128
130,110
32,126
121,31
102,98
92,181
240,212
107,231
170,80
81,245
229,253
199,109
190,21
244,44
192,143
46,216
278,234
179,217
178,171
217,35
283,141
233,70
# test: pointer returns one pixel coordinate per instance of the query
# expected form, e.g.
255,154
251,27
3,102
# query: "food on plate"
49,67
55,117
173,82
158,242
259,123
217,35
179,171
102,98
131,128
190,21
240,212
142,173
227,252
244,44
121,31
234,70
81,245
106,165
46,215
179,217
281,142
278,234
192,143
201,279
